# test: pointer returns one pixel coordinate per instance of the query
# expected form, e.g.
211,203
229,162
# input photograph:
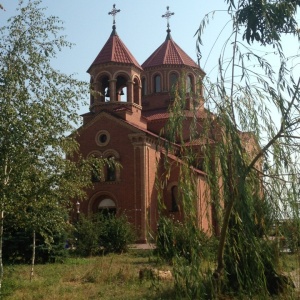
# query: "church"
129,107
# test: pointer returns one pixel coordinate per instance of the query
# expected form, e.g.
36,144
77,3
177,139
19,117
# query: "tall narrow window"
111,170
157,84
144,87
96,174
173,81
174,192
189,84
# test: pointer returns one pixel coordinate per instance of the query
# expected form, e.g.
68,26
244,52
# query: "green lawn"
107,277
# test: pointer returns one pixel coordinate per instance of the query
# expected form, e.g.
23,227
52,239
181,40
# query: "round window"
102,138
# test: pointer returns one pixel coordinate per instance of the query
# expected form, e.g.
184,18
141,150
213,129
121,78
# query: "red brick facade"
127,127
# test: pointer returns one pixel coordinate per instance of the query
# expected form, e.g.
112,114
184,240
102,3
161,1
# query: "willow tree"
252,97
38,106
251,162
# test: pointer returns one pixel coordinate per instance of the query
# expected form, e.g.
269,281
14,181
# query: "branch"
278,135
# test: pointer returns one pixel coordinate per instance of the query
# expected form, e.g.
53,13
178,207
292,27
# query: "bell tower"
115,77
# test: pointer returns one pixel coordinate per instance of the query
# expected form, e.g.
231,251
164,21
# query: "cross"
168,15
113,12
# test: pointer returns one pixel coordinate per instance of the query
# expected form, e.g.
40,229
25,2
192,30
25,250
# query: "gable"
104,116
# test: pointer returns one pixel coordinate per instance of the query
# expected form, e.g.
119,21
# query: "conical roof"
115,50
169,53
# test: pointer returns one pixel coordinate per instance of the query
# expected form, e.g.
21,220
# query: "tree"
38,107
253,153
265,21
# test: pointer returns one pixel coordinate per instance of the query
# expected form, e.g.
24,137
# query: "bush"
17,247
103,234
116,234
290,231
176,239
86,237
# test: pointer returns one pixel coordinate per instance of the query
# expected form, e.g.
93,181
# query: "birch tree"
38,107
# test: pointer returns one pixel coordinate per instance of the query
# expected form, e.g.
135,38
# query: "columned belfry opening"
115,73
121,89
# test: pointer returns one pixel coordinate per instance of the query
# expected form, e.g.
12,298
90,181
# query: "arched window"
96,167
189,84
111,170
107,207
96,174
136,91
157,84
174,195
144,87
173,81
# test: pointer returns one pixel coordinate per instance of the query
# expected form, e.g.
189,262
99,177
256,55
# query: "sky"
139,25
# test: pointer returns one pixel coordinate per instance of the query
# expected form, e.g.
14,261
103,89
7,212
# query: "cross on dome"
113,12
168,15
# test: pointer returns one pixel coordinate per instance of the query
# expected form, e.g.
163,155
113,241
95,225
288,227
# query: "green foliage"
87,237
104,277
290,234
250,136
265,21
103,233
177,239
38,111
17,246
116,234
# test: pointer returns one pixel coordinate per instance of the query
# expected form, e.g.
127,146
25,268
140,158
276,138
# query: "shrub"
290,231
17,246
86,237
181,240
103,234
116,234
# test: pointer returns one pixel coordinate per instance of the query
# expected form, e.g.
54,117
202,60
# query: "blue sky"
139,25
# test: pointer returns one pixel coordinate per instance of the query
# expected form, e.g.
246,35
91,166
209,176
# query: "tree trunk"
1,243
228,209
33,256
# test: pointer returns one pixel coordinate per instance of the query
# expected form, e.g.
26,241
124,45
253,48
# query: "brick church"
128,108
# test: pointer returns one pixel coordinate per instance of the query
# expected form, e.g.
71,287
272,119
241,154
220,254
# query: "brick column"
129,91
141,181
112,90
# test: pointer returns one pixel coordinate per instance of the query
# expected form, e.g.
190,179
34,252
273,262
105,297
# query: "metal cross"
113,12
168,15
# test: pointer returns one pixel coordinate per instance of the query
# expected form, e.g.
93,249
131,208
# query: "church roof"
169,53
161,114
115,50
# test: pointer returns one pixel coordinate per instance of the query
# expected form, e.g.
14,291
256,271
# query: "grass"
107,277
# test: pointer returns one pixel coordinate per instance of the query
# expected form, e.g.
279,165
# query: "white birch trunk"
1,243
32,257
